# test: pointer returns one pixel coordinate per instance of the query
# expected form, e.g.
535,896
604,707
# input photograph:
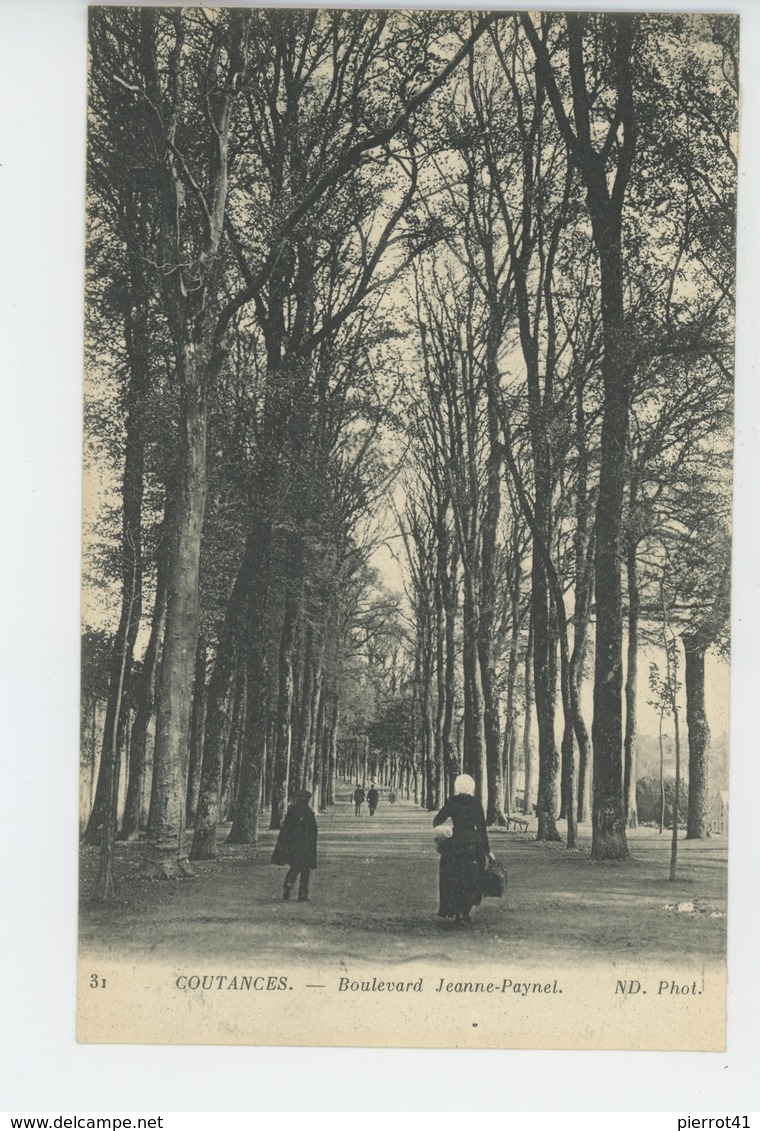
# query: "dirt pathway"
374,896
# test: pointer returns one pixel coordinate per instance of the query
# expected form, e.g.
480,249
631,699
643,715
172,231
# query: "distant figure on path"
358,800
372,799
463,854
297,845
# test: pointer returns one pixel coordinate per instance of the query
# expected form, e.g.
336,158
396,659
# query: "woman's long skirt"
461,878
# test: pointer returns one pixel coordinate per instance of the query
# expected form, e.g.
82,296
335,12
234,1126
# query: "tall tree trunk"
428,723
197,726
137,352
288,639
581,737
439,766
414,719
267,773
166,820
695,644
312,780
300,739
629,770
567,752
544,685
568,777
146,699
528,724
605,208
495,777
187,294
487,623
246,807
324,753
88,736
233,744
250,754
475,755
125,740
699,737
332,764
583,542
221,699
93,753
677,786
609,840
548,626
605,192
539,518
318,775
104,885
450,745
124,639
509,753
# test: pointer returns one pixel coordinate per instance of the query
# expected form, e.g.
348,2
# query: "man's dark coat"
297,842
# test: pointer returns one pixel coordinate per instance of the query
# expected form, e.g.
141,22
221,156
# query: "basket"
494,880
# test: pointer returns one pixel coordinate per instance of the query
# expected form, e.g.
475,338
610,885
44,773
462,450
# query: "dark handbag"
494,880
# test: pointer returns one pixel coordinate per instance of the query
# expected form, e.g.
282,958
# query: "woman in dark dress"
463,854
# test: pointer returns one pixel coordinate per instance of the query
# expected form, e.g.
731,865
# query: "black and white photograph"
407,527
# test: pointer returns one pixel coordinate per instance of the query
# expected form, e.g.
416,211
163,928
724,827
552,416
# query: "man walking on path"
372,799
358,800
297,845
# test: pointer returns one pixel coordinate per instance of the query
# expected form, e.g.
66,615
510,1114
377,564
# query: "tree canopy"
451,291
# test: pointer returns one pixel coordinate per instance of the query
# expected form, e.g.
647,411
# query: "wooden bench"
517,823
510,824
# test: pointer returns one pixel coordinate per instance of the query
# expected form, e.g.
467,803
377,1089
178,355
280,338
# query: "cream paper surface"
499,1006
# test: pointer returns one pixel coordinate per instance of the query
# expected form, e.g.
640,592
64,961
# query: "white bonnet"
463,783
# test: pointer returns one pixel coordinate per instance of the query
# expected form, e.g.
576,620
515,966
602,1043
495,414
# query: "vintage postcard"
407,545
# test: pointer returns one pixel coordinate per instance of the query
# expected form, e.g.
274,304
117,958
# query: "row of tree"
474,270
530,356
